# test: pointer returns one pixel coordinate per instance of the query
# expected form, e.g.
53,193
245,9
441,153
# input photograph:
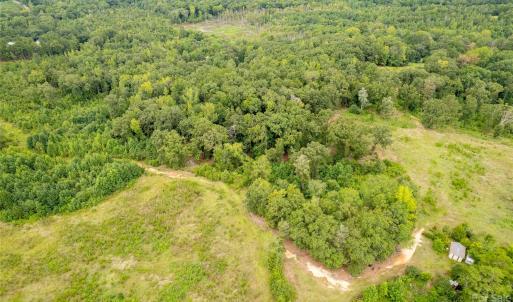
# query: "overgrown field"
468,177
160,240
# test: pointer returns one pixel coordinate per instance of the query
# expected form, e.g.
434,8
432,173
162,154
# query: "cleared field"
162,239
471,178
231,29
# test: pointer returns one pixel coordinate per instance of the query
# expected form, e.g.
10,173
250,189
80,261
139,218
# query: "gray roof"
457,249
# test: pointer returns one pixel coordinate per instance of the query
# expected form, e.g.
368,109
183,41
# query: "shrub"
281,289
257,195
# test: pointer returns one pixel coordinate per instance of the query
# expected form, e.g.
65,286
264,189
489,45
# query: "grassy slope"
470,174
471,178
161,239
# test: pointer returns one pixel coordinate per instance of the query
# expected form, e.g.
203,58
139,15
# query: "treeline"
33,185
490,278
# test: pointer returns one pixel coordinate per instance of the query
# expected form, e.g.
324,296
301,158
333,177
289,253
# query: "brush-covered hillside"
161,239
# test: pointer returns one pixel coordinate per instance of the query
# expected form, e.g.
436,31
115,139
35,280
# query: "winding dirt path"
168,173
338,279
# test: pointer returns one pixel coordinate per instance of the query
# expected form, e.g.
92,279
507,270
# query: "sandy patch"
407,253
123,264
170,173
332,280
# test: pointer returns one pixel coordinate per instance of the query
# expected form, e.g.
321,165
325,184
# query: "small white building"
469,260
457,251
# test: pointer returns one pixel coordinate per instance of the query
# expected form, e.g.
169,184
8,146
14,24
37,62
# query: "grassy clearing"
231,29
470,178
234,25
8,8
160,240
15,137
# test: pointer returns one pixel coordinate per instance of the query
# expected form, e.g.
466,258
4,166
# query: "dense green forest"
96,85
35,185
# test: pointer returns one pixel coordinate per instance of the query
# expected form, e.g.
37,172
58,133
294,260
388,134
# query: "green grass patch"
159,240
230,29
188,275
470,177
10,136
9,8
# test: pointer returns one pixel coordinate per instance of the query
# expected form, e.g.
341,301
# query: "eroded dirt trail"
338,279
168,173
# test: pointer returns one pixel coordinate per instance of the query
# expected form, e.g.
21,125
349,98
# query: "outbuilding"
457,251
469,260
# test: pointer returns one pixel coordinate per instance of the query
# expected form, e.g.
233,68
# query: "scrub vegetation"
159,240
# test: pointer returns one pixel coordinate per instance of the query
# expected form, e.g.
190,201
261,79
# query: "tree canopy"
95,85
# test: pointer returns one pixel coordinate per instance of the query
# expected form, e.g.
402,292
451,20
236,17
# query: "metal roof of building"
457,249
